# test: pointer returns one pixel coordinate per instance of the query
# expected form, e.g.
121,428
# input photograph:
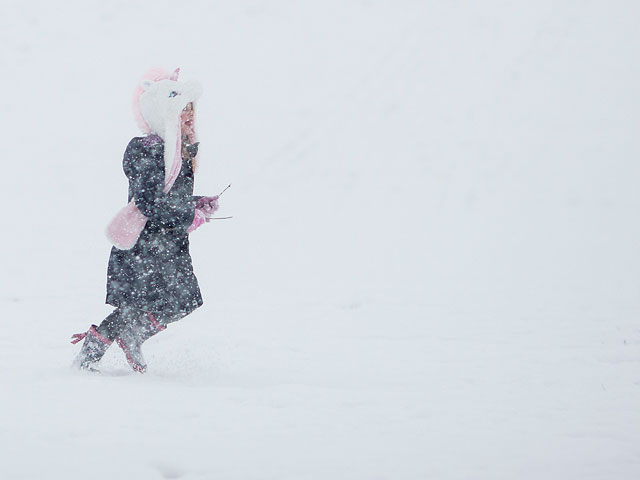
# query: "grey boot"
93,348
133,335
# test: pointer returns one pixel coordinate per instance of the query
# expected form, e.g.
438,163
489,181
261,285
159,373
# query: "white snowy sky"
432,270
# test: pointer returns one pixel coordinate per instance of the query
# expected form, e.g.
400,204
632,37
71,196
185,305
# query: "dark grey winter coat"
156,275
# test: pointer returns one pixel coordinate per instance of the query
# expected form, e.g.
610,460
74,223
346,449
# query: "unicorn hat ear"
174,75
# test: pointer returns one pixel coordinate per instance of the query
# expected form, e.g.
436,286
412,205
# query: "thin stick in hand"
220,194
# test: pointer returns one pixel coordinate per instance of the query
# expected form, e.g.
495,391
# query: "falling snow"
432,268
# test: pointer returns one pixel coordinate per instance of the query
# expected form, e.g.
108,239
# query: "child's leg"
98,339
143,325
125,322
114,323
166,318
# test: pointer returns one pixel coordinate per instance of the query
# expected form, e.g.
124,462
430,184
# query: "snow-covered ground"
432,270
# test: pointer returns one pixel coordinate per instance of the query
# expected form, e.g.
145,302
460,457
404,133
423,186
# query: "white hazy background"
432,271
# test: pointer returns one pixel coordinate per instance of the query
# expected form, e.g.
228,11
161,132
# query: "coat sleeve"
144,166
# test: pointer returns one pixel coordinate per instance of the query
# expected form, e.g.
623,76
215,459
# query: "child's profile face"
186,120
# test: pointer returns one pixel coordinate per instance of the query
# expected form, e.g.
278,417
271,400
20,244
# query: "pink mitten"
208,205
198,219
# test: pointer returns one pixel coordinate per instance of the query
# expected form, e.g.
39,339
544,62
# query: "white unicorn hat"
157,103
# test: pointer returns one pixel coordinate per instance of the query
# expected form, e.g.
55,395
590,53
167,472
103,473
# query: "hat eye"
172,93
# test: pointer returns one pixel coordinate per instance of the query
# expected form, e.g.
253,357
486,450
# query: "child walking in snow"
150,277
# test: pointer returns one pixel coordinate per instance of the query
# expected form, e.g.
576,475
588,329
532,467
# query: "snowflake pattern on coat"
156,275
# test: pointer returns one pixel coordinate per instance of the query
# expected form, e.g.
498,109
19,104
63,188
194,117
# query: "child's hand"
208,205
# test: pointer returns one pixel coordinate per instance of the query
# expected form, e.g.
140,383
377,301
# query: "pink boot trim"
79,336
155,323
96,334
132,363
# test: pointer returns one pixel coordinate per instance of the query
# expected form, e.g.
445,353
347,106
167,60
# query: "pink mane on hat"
155,74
